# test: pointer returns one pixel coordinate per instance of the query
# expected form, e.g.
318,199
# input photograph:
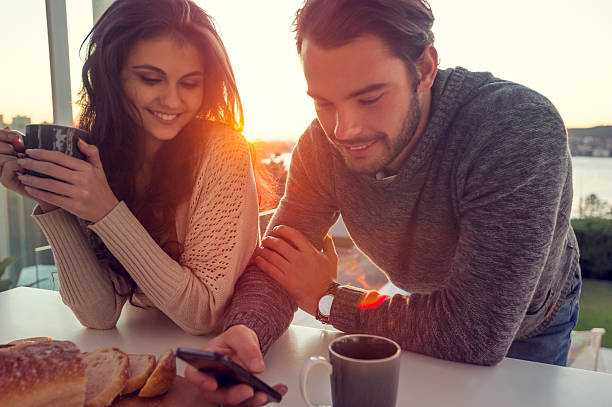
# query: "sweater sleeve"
222,232
509,191
307,206
88,288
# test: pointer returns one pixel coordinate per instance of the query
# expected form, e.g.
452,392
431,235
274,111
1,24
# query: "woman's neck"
152,146
143,176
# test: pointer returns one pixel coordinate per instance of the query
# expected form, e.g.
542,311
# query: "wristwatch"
325,303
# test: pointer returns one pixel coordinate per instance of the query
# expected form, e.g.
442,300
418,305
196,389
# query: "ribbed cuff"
73,256
265,334
152,269
345,314
260,303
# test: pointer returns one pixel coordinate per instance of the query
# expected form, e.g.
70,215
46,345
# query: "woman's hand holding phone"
242,346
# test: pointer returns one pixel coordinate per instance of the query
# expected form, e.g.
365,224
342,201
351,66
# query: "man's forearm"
261,304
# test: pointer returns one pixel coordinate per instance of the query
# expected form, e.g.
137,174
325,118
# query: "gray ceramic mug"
364,371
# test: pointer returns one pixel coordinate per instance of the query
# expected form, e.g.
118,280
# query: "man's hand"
242,346
305,272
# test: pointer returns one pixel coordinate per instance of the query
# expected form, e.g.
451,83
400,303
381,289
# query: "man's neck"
425,104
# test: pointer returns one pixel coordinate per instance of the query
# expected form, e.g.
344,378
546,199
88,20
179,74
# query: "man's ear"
427,68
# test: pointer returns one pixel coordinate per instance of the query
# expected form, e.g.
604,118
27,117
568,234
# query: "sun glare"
371,300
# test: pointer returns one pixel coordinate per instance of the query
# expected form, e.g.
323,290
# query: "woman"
164,210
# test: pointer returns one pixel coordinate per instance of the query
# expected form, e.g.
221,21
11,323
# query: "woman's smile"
165,118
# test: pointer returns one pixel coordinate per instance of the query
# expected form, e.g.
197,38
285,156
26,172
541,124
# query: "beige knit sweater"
218,228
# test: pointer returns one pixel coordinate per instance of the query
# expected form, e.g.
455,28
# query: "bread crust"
19,343
162,377
36,339
49,373
137,378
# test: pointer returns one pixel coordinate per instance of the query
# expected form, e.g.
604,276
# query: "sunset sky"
560,48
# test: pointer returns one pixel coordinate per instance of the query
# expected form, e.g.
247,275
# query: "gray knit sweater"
475,226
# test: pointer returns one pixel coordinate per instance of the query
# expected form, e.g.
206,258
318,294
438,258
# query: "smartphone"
226,372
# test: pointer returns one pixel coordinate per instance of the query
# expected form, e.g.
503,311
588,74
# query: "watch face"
325,304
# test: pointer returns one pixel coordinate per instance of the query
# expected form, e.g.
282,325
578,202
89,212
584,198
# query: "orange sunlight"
371,300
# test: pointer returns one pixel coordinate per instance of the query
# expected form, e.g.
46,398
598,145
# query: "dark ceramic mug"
54,137
364,371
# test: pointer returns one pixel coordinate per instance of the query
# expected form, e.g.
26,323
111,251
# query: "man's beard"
392,147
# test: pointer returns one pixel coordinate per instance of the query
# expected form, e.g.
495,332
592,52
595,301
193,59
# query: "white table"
424,381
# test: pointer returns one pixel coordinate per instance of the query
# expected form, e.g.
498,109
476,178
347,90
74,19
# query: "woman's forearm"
85,285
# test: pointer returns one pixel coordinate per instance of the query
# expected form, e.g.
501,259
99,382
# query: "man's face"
365,100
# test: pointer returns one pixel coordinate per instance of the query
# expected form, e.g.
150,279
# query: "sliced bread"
140,369
43,374
162,377
107,374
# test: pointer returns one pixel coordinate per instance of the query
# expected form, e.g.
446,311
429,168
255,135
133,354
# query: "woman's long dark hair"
114,123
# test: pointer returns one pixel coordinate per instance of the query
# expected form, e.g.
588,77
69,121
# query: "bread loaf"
107,375
42,374
22,342
27,341
162,377
140,369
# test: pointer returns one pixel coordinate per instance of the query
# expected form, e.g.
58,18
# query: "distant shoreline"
590,155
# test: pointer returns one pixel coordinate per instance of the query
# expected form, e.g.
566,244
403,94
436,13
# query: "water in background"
591,175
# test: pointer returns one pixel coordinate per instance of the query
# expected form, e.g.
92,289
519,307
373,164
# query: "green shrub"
595,241
5,283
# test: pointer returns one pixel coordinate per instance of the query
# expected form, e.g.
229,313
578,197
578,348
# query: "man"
456,184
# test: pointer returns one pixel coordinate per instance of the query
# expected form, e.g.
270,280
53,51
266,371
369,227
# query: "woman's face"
164,79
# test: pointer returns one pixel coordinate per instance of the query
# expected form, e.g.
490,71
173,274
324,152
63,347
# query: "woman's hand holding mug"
12,148
80,187
58,169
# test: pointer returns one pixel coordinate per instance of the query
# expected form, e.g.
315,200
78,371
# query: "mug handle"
310,363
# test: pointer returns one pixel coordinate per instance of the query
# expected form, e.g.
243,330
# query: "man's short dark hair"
404,25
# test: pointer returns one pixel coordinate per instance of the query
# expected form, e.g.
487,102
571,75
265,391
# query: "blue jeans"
552,345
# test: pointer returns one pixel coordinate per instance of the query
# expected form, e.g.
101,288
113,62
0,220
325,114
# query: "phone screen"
225,371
